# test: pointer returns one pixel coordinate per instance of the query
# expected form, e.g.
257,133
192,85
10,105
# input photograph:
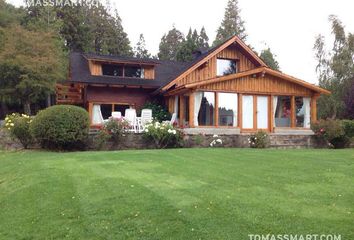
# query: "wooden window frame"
230,59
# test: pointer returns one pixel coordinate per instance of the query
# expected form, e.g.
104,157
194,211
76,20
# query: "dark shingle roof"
165,71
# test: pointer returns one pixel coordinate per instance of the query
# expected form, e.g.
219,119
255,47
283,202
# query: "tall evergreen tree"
335,70
232,24
203,41
169,45
140,50
269,58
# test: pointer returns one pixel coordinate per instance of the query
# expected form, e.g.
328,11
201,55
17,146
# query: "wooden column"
255,112
293,115
239,111
216,112
182,108
191,110
90,105
271,113
313,107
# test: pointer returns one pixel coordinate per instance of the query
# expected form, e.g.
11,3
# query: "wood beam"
191,110
293,115
314,108
239,111
271,113
182,107
216,112
90,106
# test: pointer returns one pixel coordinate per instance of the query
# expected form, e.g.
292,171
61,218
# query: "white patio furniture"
97,117
146,116
130,117
116,115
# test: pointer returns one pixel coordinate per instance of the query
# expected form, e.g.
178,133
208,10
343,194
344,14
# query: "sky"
288,27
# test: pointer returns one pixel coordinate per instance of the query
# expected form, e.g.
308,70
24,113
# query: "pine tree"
203,41
169,45
231,25
140,50
269,58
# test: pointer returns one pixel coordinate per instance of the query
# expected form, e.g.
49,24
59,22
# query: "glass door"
262,112
247,112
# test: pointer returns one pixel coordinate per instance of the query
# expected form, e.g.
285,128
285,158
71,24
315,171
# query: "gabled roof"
211,53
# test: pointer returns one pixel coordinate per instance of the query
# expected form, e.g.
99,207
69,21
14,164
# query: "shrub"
100,140
259,140
61,127
19,127
348,127
115,128
163,135
332,131
159,113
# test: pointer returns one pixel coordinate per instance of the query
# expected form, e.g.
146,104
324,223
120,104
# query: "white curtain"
306,106
96,114
197,102
176,106
275,103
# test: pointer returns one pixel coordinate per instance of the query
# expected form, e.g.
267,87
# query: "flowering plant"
115,127
216,141
162,134
18,126
259,140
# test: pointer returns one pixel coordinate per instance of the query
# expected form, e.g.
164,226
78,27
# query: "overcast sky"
288,27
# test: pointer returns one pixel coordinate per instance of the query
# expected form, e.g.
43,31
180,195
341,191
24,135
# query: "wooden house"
226,87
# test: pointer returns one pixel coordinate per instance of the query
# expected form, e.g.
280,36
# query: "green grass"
176,194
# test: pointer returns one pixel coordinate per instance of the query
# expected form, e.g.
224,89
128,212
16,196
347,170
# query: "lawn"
176,194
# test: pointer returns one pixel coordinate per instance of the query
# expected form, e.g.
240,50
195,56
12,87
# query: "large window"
282,116
206,108
133,71
227,109
226,66
112,70
122,71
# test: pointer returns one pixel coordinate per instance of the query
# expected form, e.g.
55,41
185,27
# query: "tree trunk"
4,109
49,102
27,108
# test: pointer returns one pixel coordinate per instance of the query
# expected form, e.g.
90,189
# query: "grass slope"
176,194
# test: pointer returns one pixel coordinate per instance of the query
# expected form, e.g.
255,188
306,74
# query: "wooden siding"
149,72
208,70
95,68
259,85
135,97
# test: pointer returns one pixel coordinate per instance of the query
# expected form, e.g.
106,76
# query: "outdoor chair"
116,115
130,117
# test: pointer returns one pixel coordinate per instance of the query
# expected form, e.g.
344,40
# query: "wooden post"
271,113
293,115
182,108
90,106
314,108
255,112
239,111
216,112
191,110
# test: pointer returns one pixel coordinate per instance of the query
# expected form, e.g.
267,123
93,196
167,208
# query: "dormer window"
226,66
117,70
112,70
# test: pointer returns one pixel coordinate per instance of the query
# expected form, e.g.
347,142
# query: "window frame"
229,59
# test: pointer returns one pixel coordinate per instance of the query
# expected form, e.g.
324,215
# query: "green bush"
61,127
163,135
159,113
259,140
348,127
19,127
332,131
115,128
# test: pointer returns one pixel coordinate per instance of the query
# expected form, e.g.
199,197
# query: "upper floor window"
226,66
112,70
133,71
122,70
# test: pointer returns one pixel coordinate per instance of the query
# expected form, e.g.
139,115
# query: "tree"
335,70
269,58
30,64
140,50
203,41
169,45
231,25
349,101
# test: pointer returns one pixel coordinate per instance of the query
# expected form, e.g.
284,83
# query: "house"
227,87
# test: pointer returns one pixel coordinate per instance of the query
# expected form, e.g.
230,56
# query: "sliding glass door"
262,112
247,112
